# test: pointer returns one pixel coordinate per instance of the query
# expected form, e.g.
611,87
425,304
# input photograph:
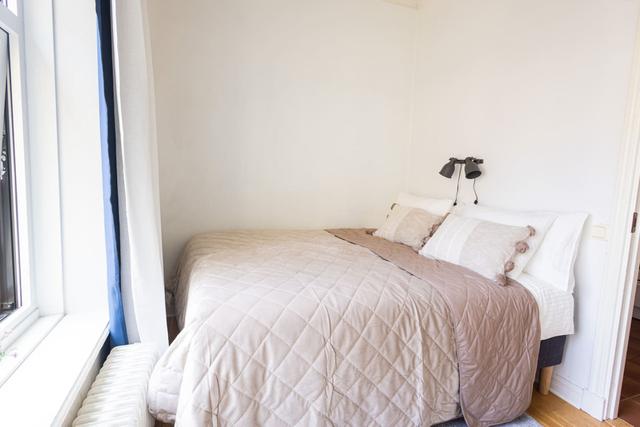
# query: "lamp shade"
471,169
448,169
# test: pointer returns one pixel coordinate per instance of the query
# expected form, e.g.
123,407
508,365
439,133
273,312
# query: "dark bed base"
551,351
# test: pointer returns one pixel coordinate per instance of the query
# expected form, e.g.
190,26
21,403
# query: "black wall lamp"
471,171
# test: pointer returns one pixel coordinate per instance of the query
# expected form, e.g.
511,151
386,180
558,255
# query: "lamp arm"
462,161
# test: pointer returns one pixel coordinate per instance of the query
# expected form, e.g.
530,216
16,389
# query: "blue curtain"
117,327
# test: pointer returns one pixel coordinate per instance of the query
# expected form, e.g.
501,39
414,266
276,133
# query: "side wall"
539,90
279,114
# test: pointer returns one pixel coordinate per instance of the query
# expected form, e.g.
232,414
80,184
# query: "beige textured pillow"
485,247
409,226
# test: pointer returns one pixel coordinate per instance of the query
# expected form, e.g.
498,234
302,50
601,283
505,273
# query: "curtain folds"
117,328
140,238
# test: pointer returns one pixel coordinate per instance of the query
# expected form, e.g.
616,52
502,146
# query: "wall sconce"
471,171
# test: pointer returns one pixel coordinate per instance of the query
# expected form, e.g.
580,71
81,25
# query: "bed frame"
551,351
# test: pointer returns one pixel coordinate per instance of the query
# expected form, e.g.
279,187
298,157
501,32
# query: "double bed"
340,327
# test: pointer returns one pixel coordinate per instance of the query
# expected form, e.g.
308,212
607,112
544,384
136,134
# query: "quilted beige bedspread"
303,328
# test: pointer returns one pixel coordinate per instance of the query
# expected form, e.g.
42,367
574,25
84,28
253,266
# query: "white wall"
279,113
538,89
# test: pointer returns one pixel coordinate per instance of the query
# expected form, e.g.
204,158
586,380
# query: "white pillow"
438,207
556,257
488,248
540,221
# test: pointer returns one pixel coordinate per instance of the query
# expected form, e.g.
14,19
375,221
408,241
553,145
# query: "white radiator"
118,396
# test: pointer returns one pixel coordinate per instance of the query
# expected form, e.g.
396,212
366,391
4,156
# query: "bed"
340,327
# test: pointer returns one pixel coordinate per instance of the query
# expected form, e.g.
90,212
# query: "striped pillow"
409,226
485,247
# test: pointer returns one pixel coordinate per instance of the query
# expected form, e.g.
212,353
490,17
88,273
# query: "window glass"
12,5
9,284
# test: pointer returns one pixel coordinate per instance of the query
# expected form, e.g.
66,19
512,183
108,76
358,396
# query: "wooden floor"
172,328
630,395
550,410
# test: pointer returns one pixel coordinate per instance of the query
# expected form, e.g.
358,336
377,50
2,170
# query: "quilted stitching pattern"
497,331
300,328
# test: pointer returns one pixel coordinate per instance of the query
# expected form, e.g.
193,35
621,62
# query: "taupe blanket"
302,328
497,330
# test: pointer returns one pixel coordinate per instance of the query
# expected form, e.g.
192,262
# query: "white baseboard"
566,390
593,405
576,396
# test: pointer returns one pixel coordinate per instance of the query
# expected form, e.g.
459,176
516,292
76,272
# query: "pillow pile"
495,243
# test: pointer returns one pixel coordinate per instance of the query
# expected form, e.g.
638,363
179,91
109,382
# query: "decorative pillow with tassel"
409,226
485,247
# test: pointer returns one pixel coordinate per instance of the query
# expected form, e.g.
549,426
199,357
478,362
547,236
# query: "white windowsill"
29,332
46,385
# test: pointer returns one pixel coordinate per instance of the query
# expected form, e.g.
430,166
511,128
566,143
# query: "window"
12,5
52,243
18,307
9,282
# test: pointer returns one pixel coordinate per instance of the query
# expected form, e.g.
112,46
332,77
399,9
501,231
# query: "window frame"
24,316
